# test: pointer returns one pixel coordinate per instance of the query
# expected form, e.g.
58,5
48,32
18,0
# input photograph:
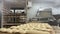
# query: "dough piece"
48,26
9,30
22,31
3,29
36,32
13,27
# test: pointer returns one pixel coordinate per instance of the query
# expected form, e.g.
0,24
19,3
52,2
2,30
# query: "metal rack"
10,19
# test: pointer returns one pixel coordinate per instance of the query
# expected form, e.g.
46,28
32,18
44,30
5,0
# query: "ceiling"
22,3
15,3
54,3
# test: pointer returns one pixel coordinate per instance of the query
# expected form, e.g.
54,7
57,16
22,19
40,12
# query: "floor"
57,29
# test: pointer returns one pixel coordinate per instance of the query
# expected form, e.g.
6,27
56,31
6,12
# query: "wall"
1,7
33,10
35,6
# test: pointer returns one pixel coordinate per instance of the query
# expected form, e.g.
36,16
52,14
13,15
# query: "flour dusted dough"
38,28
3,29
9,30
13,27
37,32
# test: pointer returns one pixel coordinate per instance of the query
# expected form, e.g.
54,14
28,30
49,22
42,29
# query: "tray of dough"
29,28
